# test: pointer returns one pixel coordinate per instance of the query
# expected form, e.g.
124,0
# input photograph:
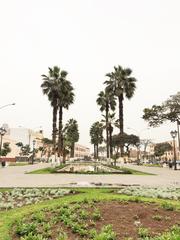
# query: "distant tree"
102,150
96,134
6,149
121,84
25,149
161,148
71,134
106,101
126,140
145,143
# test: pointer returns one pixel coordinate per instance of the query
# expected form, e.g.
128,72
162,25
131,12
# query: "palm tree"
96,134
65,98
106,101
60,94
50,88
109,122
71,134
121,84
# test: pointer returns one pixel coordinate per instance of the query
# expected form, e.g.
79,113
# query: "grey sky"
87,38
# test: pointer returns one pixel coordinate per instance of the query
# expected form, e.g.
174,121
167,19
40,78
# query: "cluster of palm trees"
60,93
119,84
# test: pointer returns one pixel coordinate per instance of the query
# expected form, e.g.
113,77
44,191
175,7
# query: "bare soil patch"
125,218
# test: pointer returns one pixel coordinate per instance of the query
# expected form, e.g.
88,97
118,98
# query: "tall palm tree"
106,101
65,98
96,134
71,134
121,84
60,94
50,88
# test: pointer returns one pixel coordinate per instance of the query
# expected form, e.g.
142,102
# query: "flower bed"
155,192
19,197
97,220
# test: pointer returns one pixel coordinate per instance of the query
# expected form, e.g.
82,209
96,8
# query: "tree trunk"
121,121
72,150
107,132
60,135
110,140
97,152
54,128
94,151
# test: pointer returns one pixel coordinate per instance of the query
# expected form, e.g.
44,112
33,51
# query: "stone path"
16,177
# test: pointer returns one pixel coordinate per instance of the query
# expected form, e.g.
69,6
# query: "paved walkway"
16,177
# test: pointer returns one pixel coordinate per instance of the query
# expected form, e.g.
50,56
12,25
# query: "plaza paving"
16,177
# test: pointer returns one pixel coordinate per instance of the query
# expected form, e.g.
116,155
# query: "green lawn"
7,218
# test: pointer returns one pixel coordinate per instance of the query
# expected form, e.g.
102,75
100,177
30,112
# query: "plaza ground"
17,177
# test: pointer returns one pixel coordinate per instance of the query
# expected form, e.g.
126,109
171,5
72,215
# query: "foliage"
106,101
71,134
6,149
125,140
161,148
25,149
96,134
167,111
60,94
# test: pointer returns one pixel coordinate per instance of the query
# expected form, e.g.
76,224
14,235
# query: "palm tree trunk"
60,135
110,140
94,151
97,152
54,128
72,150
107,132
121,120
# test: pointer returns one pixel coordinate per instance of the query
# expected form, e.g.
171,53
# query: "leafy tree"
167,111
126,140
121,84
6,149
25,149
161,148
106,101
96,134
155,116
71,134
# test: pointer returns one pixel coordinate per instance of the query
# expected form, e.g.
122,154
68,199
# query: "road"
16,177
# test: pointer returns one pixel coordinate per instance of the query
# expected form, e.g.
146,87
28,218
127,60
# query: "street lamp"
34,142
10,104
173,135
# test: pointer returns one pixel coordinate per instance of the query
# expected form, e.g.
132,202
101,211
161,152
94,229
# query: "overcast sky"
87,38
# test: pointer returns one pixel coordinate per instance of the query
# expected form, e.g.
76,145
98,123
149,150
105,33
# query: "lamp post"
173,135
34,142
